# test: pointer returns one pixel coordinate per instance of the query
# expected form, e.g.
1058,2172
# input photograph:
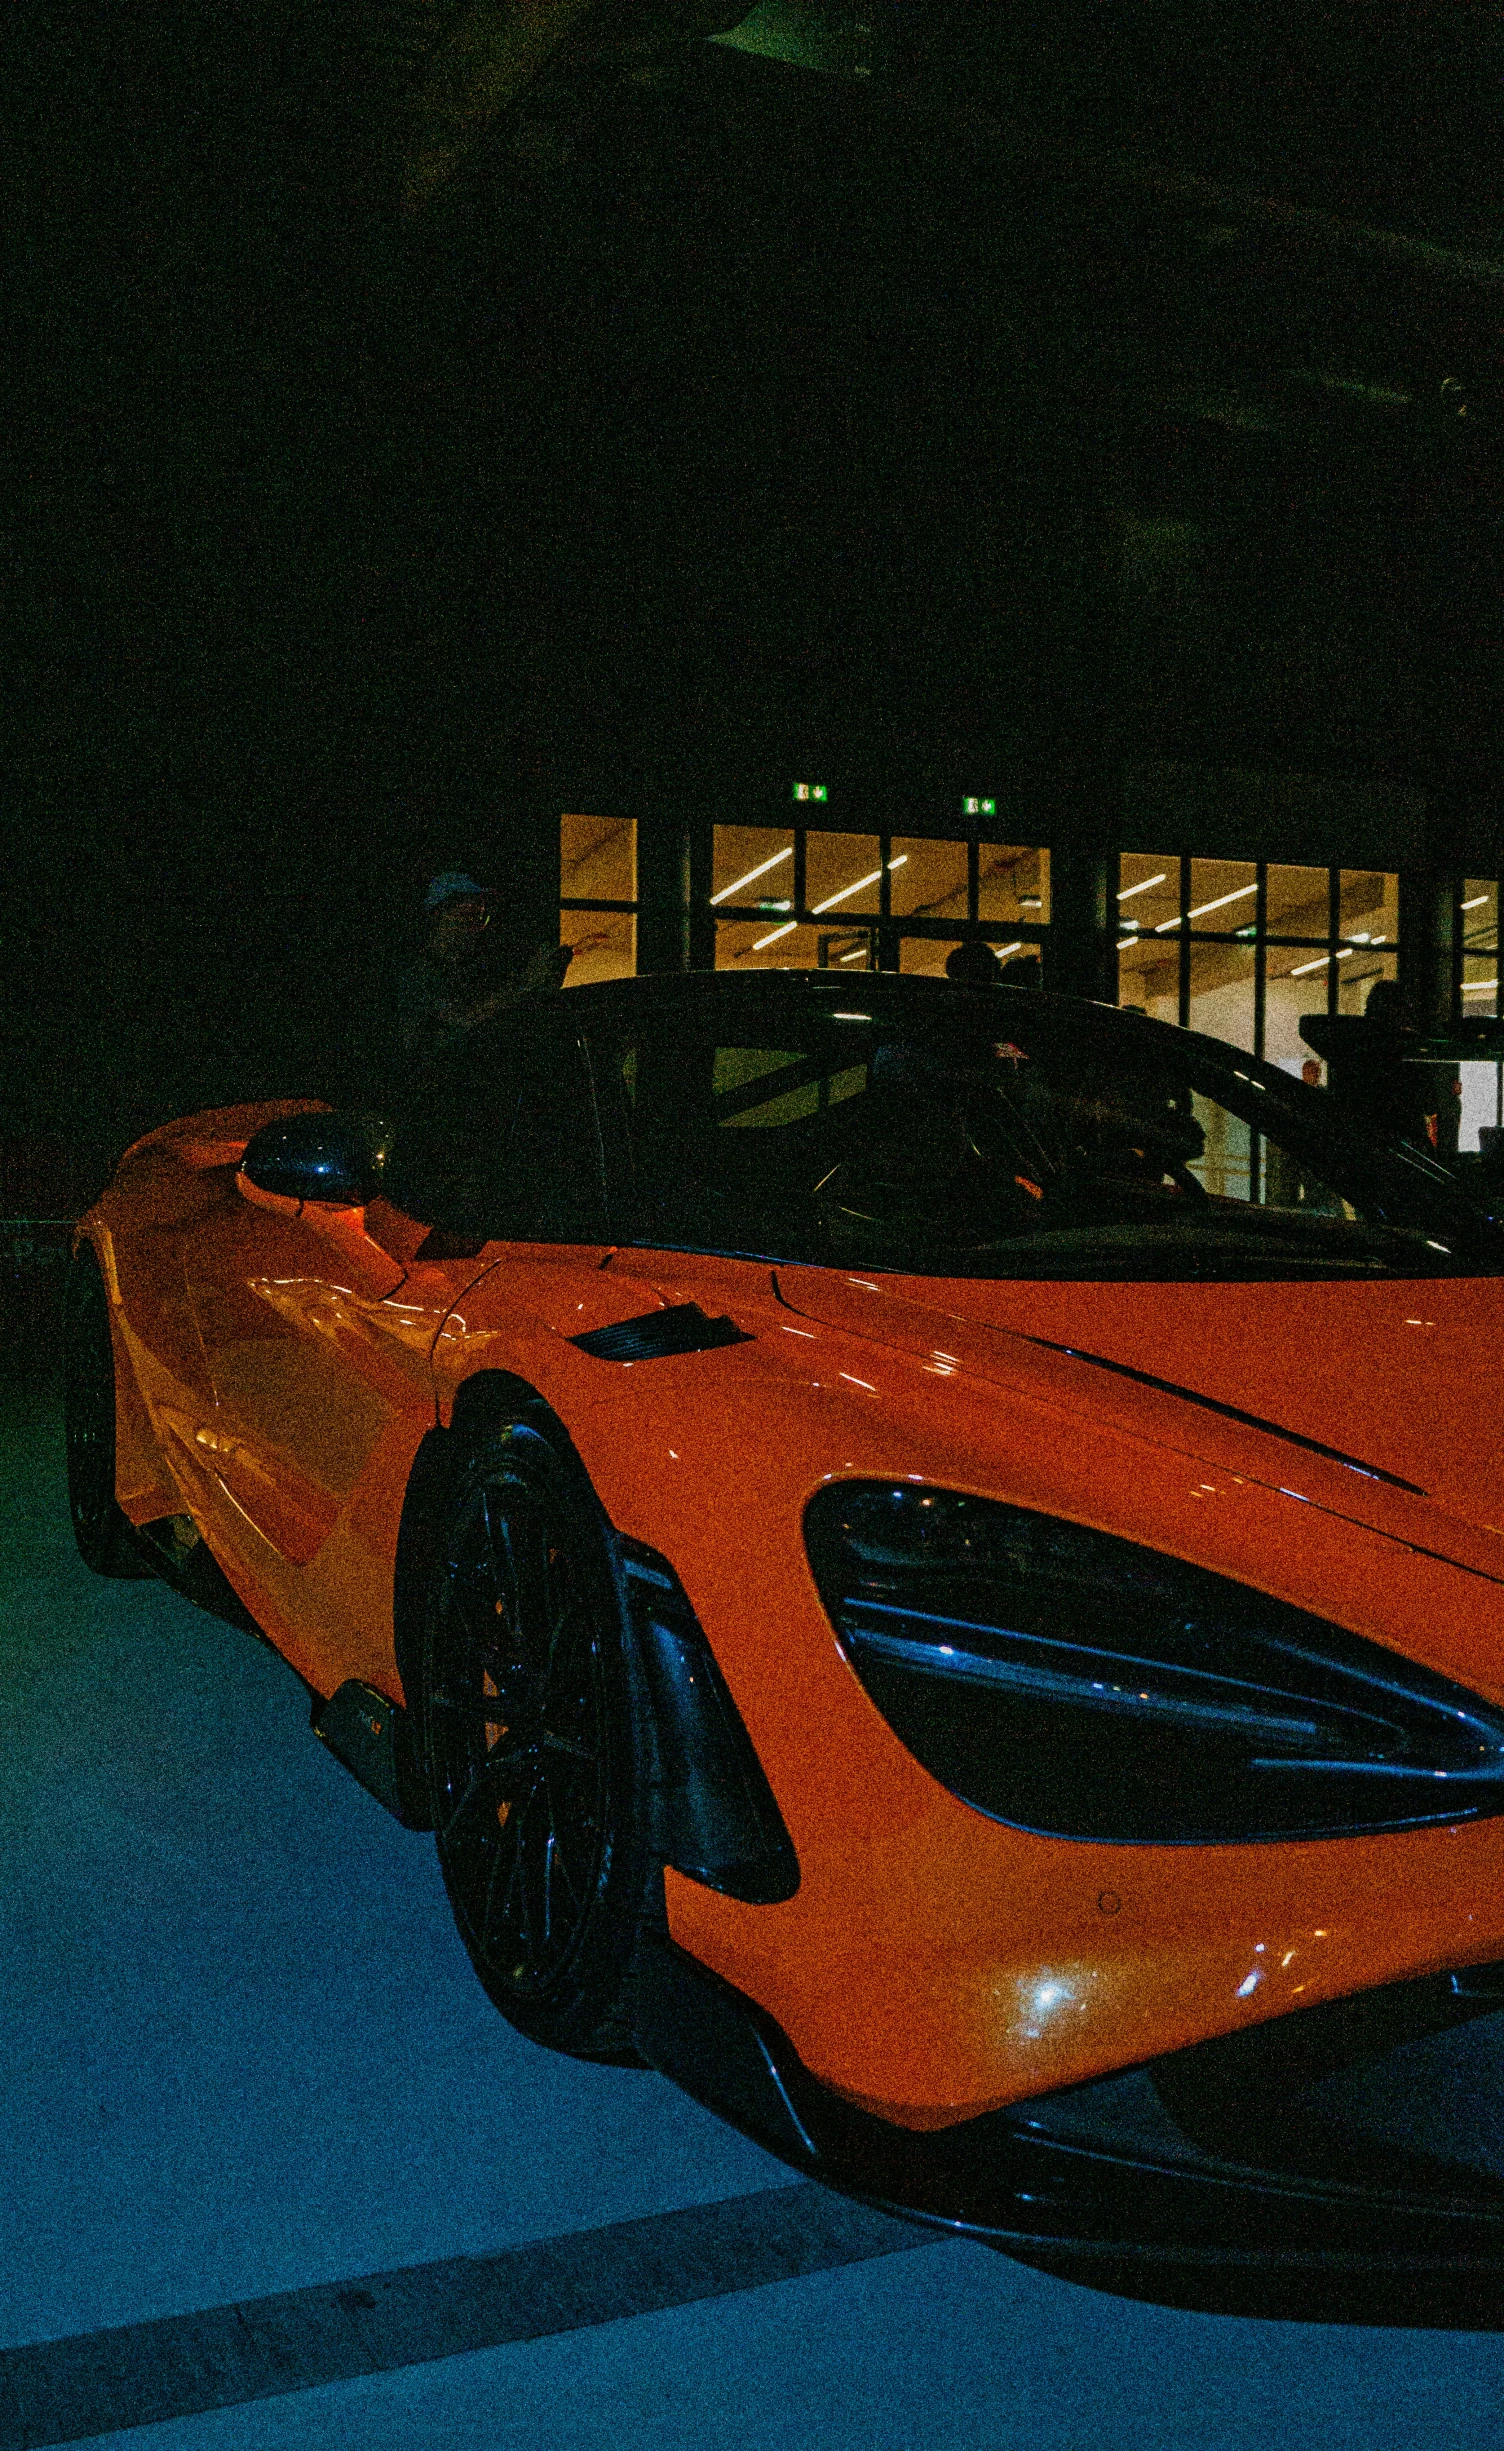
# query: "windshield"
974,1138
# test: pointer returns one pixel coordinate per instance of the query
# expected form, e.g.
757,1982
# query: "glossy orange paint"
278,1371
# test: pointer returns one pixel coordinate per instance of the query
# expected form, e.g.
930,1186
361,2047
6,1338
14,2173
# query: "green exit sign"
979,808
811,791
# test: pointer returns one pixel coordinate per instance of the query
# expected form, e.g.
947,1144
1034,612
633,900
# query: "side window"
791,1086
503,1145
716,1144
551,1169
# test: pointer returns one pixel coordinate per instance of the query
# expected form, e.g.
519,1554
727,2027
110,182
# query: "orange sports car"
927,1554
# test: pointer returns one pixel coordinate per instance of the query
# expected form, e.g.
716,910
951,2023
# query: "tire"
535,1738
105,1540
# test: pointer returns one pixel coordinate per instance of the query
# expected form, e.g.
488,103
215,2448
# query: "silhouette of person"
452,987
973,965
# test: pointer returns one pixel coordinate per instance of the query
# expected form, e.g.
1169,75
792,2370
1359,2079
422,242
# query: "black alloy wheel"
105,1540
534,1737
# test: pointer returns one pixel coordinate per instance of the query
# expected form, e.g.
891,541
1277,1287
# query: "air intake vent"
684,1329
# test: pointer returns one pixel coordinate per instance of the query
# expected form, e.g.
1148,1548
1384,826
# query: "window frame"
1256,937
885,930
598,902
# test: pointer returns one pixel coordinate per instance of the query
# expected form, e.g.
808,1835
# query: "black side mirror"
331,1158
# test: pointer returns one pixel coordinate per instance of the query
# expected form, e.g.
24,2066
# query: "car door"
305,1372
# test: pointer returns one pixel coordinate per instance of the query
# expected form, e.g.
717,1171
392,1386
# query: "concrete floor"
244,2053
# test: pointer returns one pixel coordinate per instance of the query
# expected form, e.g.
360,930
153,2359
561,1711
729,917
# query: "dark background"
723,420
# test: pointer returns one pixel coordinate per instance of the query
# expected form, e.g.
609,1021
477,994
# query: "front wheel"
534,1737
105,1540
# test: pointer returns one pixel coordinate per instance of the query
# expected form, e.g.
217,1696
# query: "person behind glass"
973,965
453,987
1373,1081
976,965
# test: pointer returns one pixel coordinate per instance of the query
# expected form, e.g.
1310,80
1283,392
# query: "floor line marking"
63,2391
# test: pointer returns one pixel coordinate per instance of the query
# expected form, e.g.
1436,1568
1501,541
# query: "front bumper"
1342,2164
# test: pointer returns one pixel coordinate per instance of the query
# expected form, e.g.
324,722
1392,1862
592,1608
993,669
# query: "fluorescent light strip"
847,891
1003,951
1129,891
1476,900
751,876
1478,987
1202,908
1301,968
787,929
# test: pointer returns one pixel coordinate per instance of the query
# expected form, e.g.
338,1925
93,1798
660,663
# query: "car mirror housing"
333,1160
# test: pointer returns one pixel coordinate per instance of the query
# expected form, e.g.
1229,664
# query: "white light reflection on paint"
1043,1999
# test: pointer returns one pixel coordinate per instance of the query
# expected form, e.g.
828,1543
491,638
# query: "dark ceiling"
715,404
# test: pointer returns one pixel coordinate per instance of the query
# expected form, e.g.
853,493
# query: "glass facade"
1013,884
598,897
1478,934
1239,949
1477,945
811,898
1242,949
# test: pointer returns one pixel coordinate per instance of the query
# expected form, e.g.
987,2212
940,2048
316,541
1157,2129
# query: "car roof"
619,1002
817,987
616,1001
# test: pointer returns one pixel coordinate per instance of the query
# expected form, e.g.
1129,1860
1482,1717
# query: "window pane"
1013,883
929,879
1480,985
736,1067
1286,997
1480,1102
1223,894
1480,944
1224,1167
1480,991
841,873
1369,907
1297,901
502,1144
851,949
753,864
1356,974
598,858
769,943
1222,994
605,945
1149,975
1148,892
924,957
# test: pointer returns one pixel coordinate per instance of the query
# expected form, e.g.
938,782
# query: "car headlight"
1078,1685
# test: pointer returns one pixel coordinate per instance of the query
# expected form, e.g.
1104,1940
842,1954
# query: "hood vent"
683,1329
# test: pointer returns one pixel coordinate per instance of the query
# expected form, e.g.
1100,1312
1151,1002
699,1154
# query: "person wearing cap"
450,989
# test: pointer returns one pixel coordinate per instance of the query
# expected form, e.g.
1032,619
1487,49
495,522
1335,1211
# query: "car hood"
1382,1401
